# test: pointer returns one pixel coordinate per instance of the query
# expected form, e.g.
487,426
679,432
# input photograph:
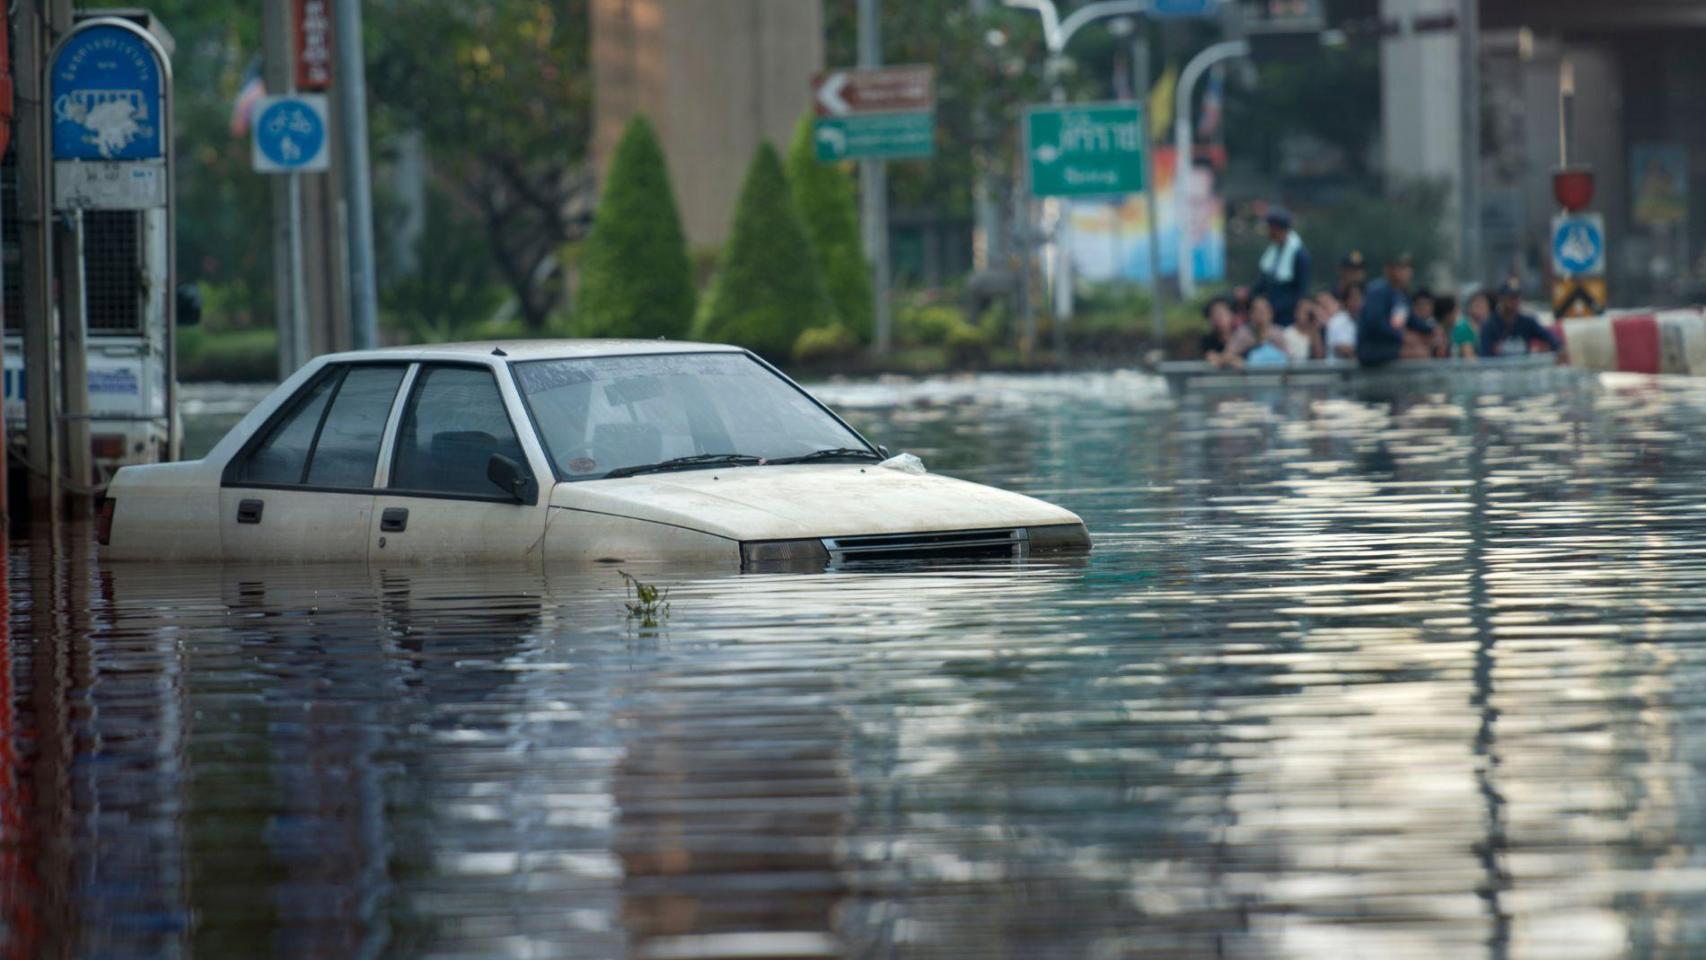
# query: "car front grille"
1008,543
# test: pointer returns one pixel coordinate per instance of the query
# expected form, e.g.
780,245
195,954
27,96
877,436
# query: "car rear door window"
348,448
332,435
282,456
452,425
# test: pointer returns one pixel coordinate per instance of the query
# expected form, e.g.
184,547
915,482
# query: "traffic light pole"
874,188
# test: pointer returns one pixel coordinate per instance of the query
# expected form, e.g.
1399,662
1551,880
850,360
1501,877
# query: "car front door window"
454,422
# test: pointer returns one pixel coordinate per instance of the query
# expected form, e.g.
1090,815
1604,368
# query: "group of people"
1277,321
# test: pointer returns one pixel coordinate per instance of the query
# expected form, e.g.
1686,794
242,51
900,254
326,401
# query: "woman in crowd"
1466,335
1223,330
1269,348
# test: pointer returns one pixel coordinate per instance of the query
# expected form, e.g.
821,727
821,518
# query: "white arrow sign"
830,95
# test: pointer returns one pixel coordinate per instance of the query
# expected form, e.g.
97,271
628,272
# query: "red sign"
313,44
909,89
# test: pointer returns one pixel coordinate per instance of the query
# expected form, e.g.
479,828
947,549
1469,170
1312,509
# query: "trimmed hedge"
768,289
825,197
636,278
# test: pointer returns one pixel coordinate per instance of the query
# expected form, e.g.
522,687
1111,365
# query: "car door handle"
394,520
249,511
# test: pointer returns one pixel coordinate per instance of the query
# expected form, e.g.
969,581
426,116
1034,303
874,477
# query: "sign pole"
74,360
358,185
41,340
279,74
1152,208
874,188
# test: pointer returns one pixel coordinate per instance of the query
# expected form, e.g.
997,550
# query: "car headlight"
1059,538
783,555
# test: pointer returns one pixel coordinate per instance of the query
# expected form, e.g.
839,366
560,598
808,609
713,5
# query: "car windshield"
597,415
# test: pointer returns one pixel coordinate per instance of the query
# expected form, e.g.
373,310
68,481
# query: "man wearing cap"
1285,268
1510,332
1386,315
1353,272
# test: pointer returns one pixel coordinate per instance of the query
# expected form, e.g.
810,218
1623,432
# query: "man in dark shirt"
1386,315
1285,268
1510,332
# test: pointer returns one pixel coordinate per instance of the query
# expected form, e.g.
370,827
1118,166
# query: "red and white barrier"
1645,341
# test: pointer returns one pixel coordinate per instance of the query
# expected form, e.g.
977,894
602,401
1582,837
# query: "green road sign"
875,136
1085,150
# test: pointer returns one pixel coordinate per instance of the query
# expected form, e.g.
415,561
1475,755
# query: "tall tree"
825,198
768,289
636,279
502,94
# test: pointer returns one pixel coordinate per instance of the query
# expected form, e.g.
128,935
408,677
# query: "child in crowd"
1419,334
1340,336
1445,312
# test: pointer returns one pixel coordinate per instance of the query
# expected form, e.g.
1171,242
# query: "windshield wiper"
836,453
688,463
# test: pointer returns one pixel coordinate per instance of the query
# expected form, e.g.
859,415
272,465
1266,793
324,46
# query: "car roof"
532,350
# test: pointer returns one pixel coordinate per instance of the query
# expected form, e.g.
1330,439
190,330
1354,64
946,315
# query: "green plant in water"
647,602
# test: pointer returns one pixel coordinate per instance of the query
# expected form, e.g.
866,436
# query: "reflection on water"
1349,675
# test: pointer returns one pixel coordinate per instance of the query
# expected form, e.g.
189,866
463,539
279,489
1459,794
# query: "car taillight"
107,446
104,522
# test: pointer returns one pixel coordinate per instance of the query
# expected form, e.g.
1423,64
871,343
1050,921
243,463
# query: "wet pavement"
1348,675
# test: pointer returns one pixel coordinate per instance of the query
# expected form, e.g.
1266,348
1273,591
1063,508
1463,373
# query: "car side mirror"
883,450
189,305
507,475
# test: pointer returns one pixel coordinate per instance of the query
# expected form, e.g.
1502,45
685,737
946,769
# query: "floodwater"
1349,674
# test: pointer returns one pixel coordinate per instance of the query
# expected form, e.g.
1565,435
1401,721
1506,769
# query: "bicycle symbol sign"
290,134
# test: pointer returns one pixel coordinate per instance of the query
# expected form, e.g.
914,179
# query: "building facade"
716,78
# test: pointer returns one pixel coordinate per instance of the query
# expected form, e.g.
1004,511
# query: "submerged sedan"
560,452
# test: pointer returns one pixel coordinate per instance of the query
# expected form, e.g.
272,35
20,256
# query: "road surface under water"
1353,674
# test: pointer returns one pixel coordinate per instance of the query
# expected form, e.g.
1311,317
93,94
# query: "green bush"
824,345
228,356
768,289
825,198
636,279
454,286
967,345
927,324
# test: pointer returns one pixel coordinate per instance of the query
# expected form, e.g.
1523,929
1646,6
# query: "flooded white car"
561,452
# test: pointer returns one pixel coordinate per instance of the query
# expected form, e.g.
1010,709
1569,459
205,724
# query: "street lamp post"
1183,136
1057,33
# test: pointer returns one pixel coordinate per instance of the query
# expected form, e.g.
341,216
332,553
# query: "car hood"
808,500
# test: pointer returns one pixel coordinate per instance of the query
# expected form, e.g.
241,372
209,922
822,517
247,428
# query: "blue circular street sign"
1578,246
290,134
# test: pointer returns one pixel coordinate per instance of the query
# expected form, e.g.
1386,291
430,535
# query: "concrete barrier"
1589,342
1682,342
1637,338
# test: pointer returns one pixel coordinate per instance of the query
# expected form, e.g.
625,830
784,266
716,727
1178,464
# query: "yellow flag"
1161,105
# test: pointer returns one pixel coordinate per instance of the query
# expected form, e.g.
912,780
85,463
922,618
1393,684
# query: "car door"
437,502
302,488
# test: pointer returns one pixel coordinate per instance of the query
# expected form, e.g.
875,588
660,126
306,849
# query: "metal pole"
1184,144
1152,206
1469,37
358,188
279,58
74,366
874,187
41,337
1055,210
